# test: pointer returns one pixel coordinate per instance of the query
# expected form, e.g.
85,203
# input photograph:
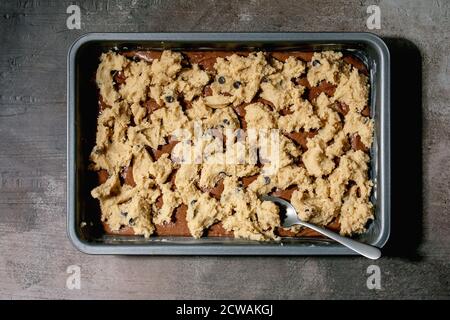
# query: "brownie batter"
206,60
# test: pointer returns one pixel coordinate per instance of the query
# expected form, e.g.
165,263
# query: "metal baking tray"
83,221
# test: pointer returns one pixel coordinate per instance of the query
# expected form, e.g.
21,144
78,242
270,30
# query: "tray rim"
164,248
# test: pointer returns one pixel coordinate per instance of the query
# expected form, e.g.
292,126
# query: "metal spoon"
289,218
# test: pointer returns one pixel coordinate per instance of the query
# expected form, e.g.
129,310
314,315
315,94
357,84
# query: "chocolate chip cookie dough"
317,102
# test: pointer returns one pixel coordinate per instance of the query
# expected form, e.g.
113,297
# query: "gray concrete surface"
34,249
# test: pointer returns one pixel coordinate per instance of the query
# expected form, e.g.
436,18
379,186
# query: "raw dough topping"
279,88
326,66
259,116
178,133
246,215
239,77
302,117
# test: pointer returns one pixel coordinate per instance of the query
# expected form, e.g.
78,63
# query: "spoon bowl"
289,218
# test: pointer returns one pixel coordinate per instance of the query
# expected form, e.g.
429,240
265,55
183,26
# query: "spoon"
289,218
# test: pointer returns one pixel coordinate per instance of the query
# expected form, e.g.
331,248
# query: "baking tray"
83,222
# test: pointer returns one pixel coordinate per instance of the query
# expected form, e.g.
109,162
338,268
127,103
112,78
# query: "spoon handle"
363,249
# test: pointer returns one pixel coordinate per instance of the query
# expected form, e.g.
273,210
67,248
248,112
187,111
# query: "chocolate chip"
169,99
221,80
222,175
131,222
315,63
193,202
226,121
266,180
236,84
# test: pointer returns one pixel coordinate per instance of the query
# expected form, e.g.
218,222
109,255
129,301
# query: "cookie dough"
176,126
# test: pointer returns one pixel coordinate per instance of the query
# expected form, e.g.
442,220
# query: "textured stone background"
34,249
